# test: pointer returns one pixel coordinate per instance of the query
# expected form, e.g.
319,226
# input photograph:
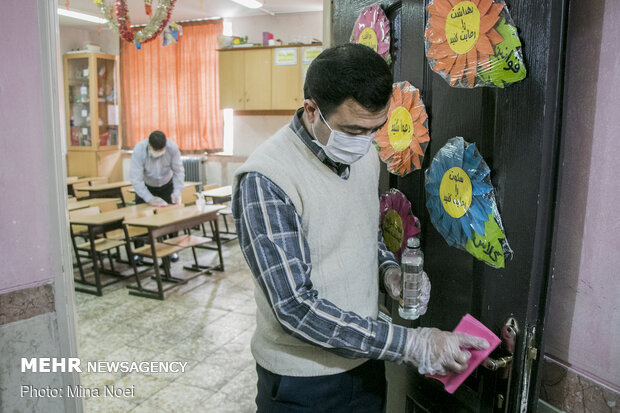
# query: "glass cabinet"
92,113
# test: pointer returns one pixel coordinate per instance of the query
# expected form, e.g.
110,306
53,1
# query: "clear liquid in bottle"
412,269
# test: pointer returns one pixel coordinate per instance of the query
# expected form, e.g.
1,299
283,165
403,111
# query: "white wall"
291,27
251,131
74,39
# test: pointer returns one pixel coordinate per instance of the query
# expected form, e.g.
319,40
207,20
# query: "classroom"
309,206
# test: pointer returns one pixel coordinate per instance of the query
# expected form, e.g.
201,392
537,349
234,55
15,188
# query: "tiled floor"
207,323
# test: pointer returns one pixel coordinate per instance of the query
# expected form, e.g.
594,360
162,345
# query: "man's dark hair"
348,71
157,140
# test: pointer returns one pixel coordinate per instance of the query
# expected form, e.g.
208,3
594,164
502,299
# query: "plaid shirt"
272,241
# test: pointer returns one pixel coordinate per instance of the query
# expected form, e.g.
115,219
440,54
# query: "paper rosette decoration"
402,141
398,223
372,29
473,43
461,202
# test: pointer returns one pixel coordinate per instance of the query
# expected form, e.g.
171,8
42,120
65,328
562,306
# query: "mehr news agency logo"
74,365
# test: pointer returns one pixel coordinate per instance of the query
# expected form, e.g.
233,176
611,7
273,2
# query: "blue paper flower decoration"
459,192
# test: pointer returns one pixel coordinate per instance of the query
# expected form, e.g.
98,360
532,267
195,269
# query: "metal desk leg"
218,241
160,288
93,253
130,257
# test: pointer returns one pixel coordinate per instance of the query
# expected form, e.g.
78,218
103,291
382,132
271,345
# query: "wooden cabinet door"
232,80
257,79
286,86
517,130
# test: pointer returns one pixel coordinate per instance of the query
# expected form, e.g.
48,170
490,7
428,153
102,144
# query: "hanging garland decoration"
118,20
171,34
402,141
461,203
372,29
108,13
148,7
398,223
473,43
151,30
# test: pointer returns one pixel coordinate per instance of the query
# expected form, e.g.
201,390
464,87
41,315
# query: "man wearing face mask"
306,209
157,175
157,172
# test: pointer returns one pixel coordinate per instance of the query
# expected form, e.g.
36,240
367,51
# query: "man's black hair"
348,71
157,140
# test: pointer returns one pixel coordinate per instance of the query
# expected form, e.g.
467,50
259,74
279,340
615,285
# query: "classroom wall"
26,245
31,324
72,38
289,27
251,131
581,331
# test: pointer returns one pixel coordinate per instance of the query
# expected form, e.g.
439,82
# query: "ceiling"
192,9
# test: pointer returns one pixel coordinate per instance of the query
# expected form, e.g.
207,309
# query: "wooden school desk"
86,203
100,224
165,223
72,180
111,190
219,195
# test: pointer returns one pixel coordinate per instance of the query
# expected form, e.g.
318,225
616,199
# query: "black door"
517,132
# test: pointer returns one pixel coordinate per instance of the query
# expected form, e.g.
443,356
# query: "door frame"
57,193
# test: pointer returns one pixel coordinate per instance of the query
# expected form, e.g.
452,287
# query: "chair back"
80,194
106,206
187,195
128,196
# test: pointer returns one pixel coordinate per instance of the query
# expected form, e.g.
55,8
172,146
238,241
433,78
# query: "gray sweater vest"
340,221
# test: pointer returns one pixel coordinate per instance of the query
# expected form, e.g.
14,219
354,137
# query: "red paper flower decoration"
372,29
398,223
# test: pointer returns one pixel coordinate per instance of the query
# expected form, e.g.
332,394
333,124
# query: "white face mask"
342,147
157,154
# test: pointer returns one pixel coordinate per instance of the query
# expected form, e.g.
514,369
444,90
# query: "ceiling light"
251,4
81,16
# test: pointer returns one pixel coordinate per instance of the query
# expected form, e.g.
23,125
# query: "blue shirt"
279,258
156,172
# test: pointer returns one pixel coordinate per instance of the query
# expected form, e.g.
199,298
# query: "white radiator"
194,168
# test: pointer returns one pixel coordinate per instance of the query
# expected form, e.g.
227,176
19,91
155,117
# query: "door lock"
503,364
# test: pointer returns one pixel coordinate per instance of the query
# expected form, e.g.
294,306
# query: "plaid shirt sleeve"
272,241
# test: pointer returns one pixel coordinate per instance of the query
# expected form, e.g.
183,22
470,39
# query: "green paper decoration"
507,64
488,247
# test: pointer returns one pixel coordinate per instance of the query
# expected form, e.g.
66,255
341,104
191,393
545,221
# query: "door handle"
503,364
496,364
509,338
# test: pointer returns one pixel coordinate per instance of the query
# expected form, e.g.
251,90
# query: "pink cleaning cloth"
469,325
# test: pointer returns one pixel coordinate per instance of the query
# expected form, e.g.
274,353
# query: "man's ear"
311,110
